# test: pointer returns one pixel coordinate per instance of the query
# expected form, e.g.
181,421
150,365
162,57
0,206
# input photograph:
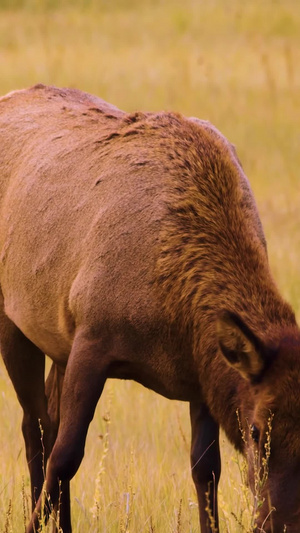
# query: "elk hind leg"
54,384
84,380
25,364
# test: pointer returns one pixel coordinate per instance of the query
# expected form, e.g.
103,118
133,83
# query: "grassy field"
236,64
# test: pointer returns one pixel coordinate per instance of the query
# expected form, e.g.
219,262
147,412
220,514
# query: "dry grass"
236,64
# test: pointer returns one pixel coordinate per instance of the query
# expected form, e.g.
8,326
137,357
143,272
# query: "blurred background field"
231,62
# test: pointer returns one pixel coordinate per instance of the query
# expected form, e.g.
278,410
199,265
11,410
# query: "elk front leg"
84,380
206,465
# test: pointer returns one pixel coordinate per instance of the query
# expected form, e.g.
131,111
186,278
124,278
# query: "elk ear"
240,347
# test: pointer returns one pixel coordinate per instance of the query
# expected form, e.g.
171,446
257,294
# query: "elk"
131,247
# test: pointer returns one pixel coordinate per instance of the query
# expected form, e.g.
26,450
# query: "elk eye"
254,432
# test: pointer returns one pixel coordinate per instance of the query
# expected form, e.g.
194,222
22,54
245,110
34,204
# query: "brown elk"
131,247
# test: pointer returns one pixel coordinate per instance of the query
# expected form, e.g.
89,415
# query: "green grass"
236,64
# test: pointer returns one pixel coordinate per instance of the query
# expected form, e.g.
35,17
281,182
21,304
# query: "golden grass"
236,64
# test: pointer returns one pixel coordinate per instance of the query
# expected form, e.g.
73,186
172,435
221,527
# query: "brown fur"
131,247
